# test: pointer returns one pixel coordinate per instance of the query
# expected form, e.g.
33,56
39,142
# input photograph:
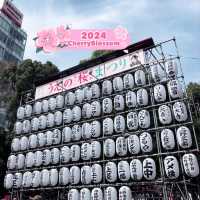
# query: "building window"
3,37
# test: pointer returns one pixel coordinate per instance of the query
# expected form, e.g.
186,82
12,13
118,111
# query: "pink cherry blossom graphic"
121,33
62,34
47,40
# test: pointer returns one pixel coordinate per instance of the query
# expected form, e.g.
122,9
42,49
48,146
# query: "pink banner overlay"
93,39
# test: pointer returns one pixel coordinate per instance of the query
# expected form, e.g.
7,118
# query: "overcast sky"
161,20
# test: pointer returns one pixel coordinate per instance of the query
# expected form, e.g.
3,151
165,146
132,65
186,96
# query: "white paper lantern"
180,111
11,163
55,156
49,138
149,169
85,194
96,194
65,154
20,112
164,114
121,146
76,113
136,170
142,97
75,175
30,159
118,84
86,151
95,129
33,141
171,69
45,177
50,120
111,172
175,89
144,119
24,144
111,193
26,126
133,144
87,111
20,161
34,124
146,143
132,121
96,173
190,164
119,124
119,103
123,171
53,177
42,122
107,106
125,193
73,194
52,103
159,93
38,158
128,81
79,95
58,118
86,175
8,181
171,167
42,139
109,148
184,137
75,152
108,126
76,132
96,149
15,145
59,101
37,108
167,139
46,159
27,179
86,130
69,98
36,180
96,108
56,136
66,134
95,91
131,99
28,110
64,176
45,105
107,87
17,180
87,93
158,73
67,115
140,78
18,128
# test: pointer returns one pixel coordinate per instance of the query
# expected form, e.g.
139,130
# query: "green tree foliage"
96,54
193,89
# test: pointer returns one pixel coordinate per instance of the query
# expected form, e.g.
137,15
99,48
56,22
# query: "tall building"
12,37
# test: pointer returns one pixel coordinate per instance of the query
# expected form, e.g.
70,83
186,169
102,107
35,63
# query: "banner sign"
90,75
92,39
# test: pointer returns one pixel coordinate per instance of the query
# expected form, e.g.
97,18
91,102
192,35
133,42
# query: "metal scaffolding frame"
183,188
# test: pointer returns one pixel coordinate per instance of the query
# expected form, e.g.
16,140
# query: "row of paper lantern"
118,84
111,148
164,113
123,171
132,100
